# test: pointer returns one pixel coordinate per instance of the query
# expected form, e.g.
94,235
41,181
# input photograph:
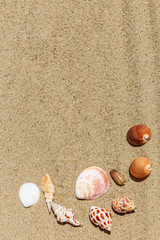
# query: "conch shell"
140,168
101,217
138,135
49,190
65,215
92,183
123,205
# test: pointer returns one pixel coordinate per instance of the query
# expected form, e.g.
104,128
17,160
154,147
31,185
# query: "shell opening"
149,167
146,137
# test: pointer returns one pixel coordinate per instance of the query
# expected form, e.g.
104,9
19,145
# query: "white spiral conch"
65,215
62,214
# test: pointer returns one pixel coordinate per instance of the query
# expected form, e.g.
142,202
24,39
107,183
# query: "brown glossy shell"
138,135
117,177
140,168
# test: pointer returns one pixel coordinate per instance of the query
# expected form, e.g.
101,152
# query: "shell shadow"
138,180
64,223
60,223
122,214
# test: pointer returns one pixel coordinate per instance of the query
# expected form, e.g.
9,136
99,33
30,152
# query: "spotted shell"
101,217
92,183
123,205
138,135
65,215
140,168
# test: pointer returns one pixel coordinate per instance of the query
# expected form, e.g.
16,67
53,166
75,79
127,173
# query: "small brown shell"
117,177
138,135
140,168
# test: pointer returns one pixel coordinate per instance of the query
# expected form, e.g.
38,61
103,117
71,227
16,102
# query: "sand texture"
74,77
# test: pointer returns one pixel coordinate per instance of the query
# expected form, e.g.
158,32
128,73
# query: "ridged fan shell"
92,183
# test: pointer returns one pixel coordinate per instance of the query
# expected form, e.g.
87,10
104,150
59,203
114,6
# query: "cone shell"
101,217
48,190
123,205
138,135
92,183
140,168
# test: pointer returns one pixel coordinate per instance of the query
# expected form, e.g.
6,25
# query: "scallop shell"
92,183
123,205
29,194
138,135
140,168
101,217
65,215
48,189
117,177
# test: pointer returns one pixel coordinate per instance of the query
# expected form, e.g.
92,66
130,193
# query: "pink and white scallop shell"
101,217
123,205
92,183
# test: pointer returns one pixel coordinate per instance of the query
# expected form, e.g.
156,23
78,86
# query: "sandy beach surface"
75,76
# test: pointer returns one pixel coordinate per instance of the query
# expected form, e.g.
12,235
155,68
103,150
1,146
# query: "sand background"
75,76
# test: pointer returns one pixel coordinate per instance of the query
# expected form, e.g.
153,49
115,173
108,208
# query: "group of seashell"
141,167
93,182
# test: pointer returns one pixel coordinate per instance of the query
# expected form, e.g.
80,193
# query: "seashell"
101,217
117,177
29,194
138,135
140,168
65,215
123,205
92,183
48,189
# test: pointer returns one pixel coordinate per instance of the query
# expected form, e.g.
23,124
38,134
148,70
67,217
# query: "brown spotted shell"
138,135
123,205
140,168
101,217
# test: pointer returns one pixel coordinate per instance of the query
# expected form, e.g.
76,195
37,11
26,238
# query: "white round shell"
29,194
